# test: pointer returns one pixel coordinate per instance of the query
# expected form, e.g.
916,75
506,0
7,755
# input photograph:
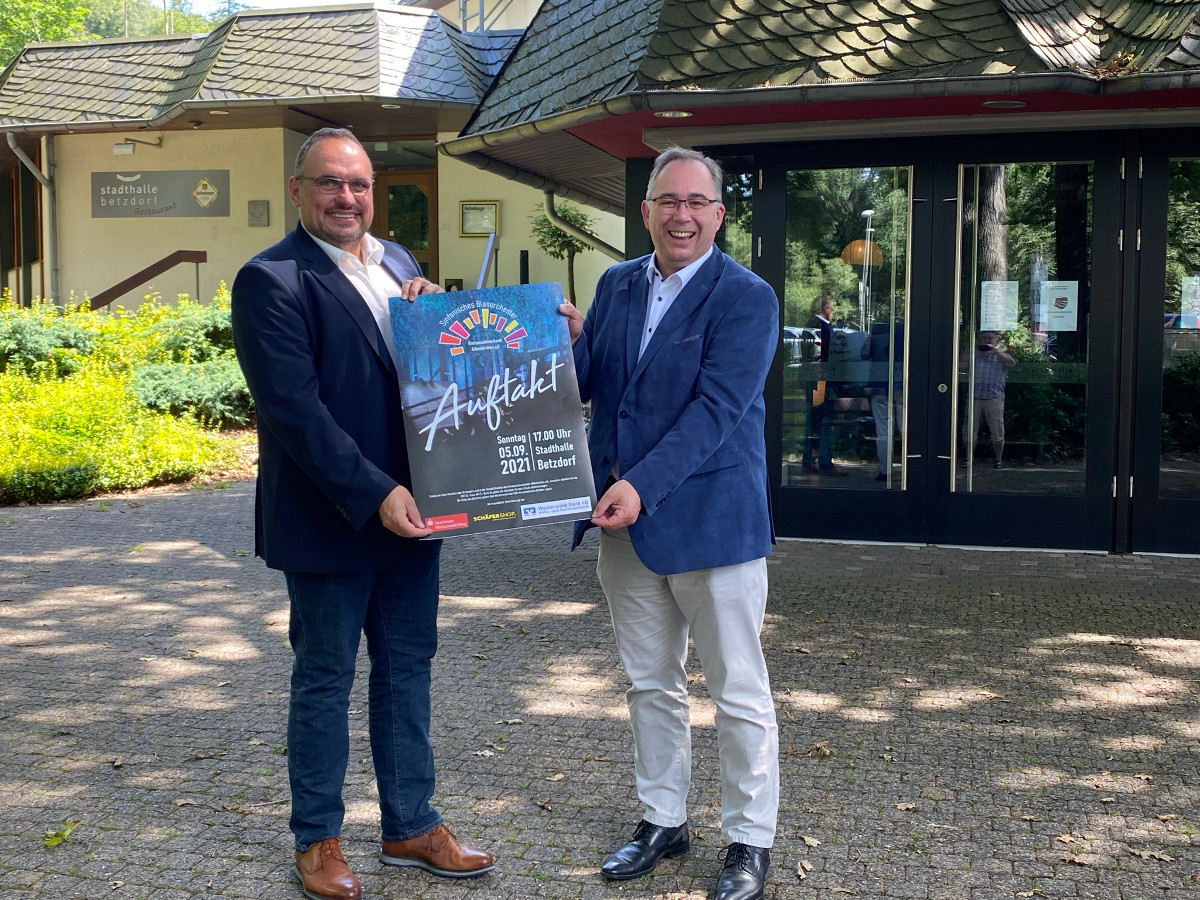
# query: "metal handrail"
151,271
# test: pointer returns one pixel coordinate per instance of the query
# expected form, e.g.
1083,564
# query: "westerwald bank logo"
482,328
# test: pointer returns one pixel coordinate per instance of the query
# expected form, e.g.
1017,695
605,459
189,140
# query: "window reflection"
1179,460
845,299
1024,298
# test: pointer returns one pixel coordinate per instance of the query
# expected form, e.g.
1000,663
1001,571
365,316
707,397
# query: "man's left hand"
411,289
619,507
398,512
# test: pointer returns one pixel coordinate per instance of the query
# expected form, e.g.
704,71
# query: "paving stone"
946,717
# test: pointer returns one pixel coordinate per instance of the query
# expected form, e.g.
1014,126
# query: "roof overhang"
367,115
580,153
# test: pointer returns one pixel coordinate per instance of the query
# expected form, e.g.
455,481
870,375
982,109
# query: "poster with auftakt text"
492,414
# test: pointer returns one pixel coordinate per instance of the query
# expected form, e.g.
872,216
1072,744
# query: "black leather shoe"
650,844
745,872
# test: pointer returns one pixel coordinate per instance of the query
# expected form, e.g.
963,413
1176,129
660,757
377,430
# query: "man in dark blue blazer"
334,512
673,355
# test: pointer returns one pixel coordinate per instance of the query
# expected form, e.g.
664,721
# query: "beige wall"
97,253
463,257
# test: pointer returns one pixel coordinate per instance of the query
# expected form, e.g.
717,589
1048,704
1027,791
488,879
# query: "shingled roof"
346,52
631,55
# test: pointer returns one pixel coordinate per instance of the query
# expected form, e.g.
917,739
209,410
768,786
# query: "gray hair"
323,134
675,154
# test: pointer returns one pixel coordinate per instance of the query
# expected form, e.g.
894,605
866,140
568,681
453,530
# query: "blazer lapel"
639,297
348,296
683,307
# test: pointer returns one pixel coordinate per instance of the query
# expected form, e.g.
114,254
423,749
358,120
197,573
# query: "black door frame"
927,511
1146,522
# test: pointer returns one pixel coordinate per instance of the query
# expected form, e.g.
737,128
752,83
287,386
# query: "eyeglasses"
670,204
327,184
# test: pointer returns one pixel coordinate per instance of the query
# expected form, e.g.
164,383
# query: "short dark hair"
323,134
675,154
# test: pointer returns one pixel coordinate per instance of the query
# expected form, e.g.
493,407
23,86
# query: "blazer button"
606,461
623,414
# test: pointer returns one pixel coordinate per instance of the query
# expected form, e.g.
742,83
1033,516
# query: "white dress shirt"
371,280
663,292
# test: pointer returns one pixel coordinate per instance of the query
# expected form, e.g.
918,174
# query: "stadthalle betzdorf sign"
186,194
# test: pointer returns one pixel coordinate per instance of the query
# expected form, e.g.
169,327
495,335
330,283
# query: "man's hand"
398,512
411,289
620,506
574,320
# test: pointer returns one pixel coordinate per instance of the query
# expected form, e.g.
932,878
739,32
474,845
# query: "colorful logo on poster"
479,324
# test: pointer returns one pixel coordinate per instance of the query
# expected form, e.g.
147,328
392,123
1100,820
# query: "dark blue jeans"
397,610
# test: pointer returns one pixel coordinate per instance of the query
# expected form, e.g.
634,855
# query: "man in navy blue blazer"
334,512
673,354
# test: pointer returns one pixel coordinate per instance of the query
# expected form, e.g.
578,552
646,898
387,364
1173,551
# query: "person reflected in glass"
992,363
888,416
818,438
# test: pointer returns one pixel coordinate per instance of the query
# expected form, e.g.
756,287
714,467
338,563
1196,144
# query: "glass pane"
401,154
1024,297
1179,462
843,410
408,216
735,234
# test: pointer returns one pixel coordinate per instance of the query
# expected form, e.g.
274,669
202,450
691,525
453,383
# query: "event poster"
491,409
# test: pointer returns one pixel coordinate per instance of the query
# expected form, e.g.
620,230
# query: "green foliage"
824,214
71,422
28,21
38,340
556,243
213,391
119,18
1181,405
63,438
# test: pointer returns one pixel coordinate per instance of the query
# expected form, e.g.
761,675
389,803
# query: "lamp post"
865,285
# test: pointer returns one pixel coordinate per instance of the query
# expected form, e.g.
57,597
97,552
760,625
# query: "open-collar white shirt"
663,292
372,281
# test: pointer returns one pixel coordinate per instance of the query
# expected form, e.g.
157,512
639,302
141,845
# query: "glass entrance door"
949,338
406,212
1163,480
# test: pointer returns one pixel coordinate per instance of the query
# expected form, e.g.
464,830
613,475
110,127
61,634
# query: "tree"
557,244
27,21
123,18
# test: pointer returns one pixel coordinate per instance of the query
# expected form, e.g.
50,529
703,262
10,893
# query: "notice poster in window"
1060,300
492,413
1189,302
998,306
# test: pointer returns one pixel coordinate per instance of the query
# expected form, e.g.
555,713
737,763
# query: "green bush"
38,340
212,391
1181,405
64,438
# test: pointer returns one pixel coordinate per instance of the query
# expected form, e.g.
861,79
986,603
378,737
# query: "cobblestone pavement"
955,724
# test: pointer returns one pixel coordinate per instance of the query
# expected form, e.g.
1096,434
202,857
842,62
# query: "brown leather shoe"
439,852
323,872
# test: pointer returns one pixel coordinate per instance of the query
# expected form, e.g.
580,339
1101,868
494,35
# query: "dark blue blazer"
330,437
686,421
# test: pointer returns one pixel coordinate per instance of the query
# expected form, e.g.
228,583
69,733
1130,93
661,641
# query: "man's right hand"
574,320
399,514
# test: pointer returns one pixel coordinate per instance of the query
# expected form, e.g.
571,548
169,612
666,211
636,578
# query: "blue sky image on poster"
491,405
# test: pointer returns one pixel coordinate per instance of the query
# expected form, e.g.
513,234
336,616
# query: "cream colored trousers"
723,609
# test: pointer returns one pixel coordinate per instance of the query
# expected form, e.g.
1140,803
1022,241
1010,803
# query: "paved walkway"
955,724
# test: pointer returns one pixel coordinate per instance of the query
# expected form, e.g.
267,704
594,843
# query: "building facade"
1000,200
